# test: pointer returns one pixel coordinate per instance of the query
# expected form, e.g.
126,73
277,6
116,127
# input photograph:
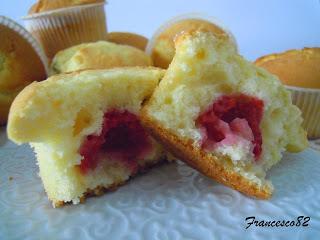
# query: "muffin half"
85,130
222,115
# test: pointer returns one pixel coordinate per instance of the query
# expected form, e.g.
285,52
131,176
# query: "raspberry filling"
230,116
122,138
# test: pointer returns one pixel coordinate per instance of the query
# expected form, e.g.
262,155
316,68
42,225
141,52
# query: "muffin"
45,5
161,46
59,24
85,130
127,38
222,115
299,70
98,55
21,62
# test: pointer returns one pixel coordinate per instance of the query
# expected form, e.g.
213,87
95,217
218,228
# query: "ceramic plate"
169,203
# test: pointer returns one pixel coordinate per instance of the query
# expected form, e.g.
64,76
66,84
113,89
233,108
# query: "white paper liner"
308,100
62,28
5,21
179,18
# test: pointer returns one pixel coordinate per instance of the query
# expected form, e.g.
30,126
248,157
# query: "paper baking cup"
63,28
179,18
27,36
308,100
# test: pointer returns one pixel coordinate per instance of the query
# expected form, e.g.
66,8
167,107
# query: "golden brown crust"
96,192
164,47
101,190
33,9
299,68
62,76
47,5
28,91
98,55
201,161
127,38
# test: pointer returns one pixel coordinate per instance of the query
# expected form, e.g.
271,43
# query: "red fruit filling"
122,138
232,115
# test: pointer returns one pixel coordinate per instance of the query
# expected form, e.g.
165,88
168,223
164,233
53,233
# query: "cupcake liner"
308,100
5,21
62,28
179,18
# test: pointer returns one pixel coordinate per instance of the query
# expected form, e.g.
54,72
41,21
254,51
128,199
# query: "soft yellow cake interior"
205,68
56,115
98,55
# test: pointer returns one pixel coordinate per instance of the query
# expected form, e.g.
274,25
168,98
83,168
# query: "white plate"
169,203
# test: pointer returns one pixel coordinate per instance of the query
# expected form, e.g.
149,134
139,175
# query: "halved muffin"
222,115
85,129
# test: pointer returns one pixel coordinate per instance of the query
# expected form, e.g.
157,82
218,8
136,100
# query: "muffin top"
298,68
128,38
47,5
98,55
163,49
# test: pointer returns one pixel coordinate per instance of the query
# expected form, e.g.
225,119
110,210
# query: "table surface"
171,202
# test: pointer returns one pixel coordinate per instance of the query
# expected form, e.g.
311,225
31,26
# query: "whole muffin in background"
299,70
20,63
161,46
98,55
127,38
59,24
47,5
